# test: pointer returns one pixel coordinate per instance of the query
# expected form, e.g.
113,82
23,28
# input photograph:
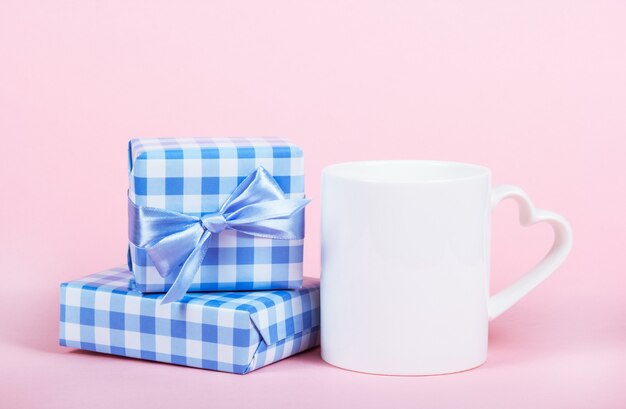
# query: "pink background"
535,90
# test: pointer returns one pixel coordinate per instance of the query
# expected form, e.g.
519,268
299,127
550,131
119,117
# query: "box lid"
209,148
196,175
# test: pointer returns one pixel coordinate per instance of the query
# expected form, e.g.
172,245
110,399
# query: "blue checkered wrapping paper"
196,176
226,331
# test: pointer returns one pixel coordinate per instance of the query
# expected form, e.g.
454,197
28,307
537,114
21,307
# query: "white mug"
405,265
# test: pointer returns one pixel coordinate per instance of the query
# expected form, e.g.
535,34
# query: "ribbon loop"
258,207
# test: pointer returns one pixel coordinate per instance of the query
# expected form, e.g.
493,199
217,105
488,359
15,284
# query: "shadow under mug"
405,265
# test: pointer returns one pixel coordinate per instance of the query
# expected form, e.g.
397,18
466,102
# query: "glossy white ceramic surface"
405,265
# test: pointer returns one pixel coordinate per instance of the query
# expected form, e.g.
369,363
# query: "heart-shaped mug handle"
530,215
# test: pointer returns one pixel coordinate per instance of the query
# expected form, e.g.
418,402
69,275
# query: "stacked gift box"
214,277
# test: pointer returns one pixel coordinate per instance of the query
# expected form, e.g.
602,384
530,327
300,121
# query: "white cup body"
405,266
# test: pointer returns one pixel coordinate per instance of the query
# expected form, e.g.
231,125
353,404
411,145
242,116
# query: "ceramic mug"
405,264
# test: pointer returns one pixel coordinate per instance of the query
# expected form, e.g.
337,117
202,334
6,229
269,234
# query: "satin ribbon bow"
258,207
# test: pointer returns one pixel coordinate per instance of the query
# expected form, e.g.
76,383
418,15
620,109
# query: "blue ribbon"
258,207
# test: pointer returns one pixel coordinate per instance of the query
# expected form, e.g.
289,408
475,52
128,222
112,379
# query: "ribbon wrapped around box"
215,214
226,331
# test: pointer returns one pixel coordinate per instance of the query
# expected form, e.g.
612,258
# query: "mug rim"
468,171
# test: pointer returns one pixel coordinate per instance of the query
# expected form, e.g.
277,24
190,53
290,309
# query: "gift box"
226,331
195,177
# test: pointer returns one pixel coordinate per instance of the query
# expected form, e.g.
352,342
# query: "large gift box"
196,177
225,331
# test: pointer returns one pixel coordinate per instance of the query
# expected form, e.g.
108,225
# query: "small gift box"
215,214
227,331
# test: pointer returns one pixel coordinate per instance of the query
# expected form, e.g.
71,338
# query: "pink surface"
534,90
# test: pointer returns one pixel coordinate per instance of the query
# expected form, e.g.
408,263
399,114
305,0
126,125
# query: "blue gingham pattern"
230,331
195,176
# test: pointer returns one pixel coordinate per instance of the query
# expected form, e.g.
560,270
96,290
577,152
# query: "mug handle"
561,247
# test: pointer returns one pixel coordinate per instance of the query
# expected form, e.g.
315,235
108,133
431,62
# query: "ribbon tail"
188,271
171,251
